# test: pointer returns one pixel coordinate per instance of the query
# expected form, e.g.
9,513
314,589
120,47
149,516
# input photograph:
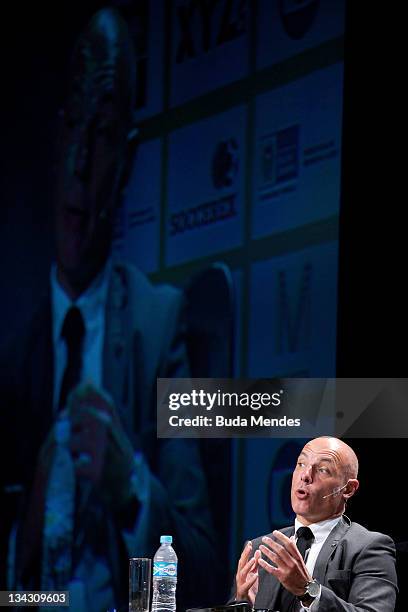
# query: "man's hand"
100,448
289,567
247,574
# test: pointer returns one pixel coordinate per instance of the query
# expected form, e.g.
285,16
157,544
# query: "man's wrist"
312,592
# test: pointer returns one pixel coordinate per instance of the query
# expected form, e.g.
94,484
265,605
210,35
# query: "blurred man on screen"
80,383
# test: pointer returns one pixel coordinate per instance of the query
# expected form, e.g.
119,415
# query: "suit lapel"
125,355
130,346
328,548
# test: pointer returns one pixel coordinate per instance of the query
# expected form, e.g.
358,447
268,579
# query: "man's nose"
307,474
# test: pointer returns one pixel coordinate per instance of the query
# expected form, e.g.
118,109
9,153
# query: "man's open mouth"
301,493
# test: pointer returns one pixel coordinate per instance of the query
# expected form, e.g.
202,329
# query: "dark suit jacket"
355,567
143,340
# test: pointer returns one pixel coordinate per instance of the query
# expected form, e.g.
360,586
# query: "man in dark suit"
325,562
89,361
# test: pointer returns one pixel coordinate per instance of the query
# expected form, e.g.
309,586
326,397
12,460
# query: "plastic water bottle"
164,577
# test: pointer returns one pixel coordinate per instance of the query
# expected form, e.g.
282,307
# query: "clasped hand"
100,448
284,561
288,565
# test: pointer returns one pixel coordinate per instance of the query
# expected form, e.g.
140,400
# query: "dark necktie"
73,331
287,602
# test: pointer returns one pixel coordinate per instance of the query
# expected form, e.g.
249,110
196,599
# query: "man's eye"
300,464
323,470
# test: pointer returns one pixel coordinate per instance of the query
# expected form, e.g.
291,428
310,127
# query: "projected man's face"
94,134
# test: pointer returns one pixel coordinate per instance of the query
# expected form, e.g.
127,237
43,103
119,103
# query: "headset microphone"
335,491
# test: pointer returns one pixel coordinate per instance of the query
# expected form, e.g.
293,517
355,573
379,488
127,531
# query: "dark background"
372,330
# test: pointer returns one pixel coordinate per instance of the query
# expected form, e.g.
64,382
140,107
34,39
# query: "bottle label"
165,569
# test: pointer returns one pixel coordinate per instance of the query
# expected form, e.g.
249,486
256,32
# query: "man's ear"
352,486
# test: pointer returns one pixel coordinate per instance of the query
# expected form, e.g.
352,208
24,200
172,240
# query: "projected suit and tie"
80,381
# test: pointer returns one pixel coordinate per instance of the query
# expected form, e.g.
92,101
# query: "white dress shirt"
321,532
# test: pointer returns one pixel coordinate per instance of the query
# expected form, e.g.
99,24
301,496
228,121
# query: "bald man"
325,562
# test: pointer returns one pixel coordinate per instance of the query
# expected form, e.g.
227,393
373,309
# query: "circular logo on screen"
298,16
225,163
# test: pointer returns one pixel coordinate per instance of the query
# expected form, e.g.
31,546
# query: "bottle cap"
166,539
